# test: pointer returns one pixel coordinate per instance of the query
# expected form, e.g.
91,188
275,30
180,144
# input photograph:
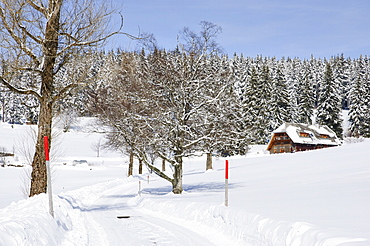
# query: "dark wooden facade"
281,143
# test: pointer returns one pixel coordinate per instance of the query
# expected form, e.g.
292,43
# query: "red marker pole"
226,183
48,173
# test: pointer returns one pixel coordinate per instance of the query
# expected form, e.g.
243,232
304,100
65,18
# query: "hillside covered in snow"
319,197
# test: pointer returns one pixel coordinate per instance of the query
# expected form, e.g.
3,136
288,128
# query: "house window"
304,135
324,136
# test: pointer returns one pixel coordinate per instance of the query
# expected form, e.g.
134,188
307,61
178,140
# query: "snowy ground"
313,198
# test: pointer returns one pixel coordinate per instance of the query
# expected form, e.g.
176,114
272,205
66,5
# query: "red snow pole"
46,148
226,169
226,183
48,173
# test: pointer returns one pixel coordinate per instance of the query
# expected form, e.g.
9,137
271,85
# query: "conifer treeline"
306,91
262,92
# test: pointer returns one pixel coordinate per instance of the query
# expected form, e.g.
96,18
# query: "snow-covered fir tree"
280,109
306,100
359,98
329,103
293,70
341,67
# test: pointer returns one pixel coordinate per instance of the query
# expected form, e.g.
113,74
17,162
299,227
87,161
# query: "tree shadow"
192,188
121,202
101,205
207,187
157,191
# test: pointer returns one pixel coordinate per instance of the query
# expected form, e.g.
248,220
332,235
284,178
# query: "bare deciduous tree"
202,43
97,147
156,104
157,108
40,37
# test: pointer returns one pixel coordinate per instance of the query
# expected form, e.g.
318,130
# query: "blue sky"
289,28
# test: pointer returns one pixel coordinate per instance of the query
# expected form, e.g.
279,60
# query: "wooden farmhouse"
292,137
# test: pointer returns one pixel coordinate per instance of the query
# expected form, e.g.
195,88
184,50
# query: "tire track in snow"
103,227
140,229
96,233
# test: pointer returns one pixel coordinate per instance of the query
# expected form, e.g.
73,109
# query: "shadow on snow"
101,205
199,187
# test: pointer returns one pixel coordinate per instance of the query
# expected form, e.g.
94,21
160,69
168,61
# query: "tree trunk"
209,161
38,175
3,110
131,165
177,176
49,49
163,165
140,166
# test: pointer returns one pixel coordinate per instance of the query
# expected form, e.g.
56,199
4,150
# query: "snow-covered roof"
315,134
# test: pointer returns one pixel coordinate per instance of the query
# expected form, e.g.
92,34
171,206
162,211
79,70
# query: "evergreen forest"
204,102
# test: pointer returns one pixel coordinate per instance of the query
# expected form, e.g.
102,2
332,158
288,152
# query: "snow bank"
242,228
28,222
85,197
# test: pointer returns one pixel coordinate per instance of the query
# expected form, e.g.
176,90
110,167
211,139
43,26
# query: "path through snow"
96,223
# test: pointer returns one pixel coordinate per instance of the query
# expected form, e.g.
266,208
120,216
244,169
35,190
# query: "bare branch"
19,41
157,171
39,7
23,28
19,91
65,91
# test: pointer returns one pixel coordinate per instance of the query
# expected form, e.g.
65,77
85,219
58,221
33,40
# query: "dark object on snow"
4,154
75,162
123,217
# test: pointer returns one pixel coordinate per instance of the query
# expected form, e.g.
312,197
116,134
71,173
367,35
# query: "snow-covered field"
318,198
